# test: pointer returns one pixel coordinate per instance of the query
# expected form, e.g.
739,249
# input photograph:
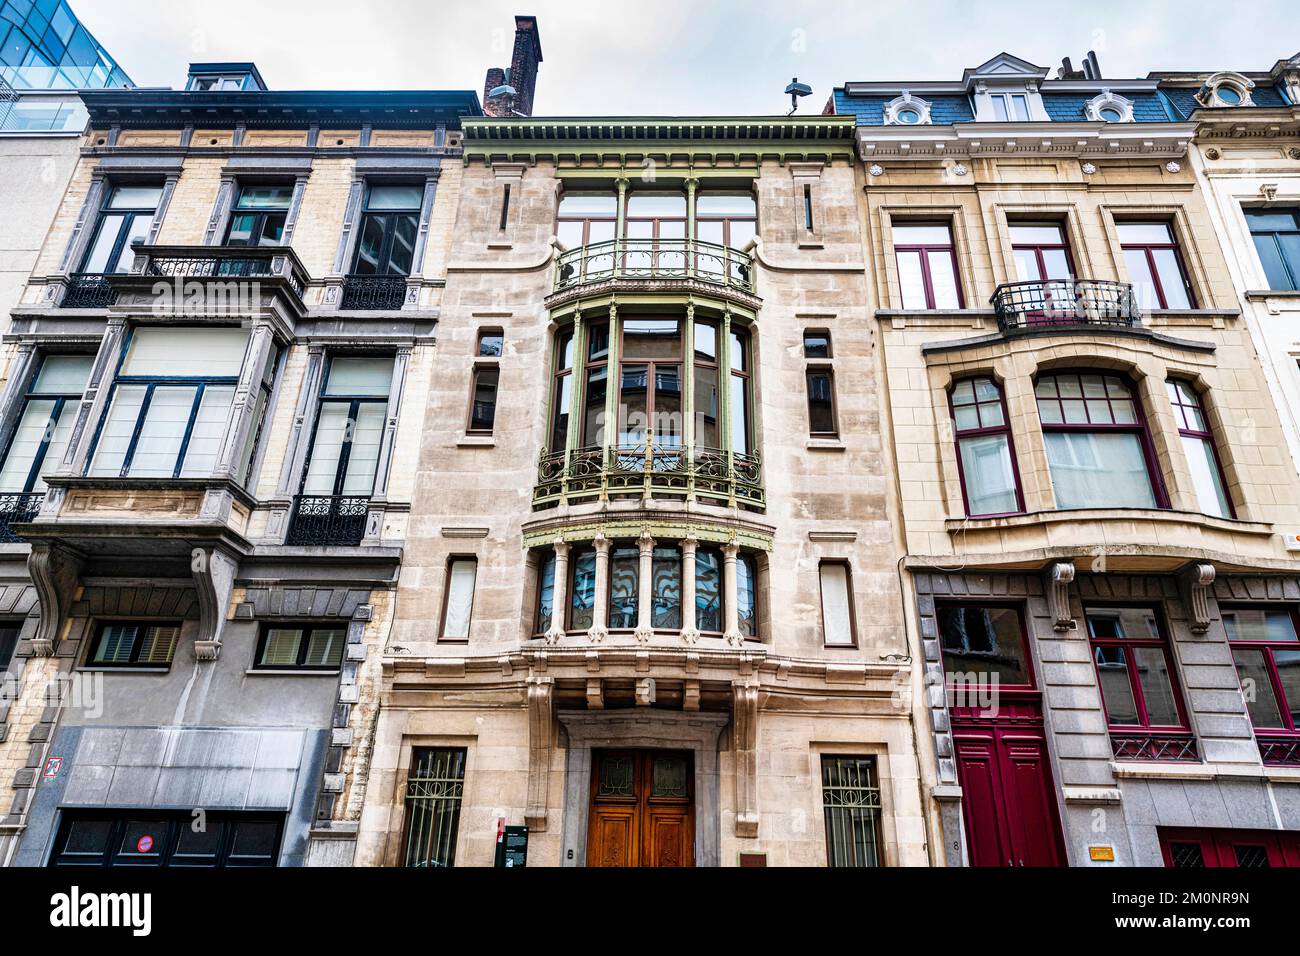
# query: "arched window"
986,462
1198,443
1098,449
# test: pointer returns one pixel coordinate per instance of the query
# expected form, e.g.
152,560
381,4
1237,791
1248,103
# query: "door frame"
641,729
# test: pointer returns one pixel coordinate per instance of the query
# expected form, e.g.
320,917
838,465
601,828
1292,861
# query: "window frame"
1016,691
1290,266
959,434
877,816
129,214
1207,436
477,372
460,757
845,563
1148,249
923,251
60,399
725,218
304,642
345,448
1039,247
133,664
818,367
1290,727
167,844
1141,427
448,570
1135,684
260,217
389,219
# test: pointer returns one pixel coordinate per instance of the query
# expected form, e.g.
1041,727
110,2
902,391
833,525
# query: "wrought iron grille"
851,798
17,509
1251,857
433,796
1187,855
209,267
655,259
1028,306
1139,746
635,469
1284,750
87,291
373,293
327,519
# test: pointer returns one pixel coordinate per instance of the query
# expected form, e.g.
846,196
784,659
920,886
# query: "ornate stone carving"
1056,585
1088,168
744,745
213,572
559,592
876,169
644,621
1196,581
541,741
55,571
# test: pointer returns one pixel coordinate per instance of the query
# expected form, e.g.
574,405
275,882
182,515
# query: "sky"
676,57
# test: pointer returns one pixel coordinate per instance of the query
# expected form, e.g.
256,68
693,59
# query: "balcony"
627,471
373,293
648,261
17,509
1045,305
87,291
327,520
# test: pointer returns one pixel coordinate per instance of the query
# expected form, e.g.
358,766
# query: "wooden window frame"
924,250
960,434
1290,727
1148,249
821,603
1162,642
452,560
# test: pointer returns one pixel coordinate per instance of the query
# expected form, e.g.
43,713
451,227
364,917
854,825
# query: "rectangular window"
9,631
483,400
1198,443
41,437
312,647
171,403
389,225
349,427
134,644
807,207
851,806
433,795
985,456
1265,646
505,205
1010,107
1041,254
458,603
986,642
1276,232
1155,265
259,216
927,266
167,838
124,218
821,402
837,604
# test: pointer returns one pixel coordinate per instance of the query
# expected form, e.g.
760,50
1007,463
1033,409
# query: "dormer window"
1225,90
1108,107
907,110
1010,107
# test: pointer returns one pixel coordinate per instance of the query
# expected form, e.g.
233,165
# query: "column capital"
646,542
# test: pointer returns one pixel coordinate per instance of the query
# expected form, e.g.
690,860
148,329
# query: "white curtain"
1099,470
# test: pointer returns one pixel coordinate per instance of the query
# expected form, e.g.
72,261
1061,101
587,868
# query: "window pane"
985,641
1157,688
668,406
989,476
1171,279
634,401
1034,234
816,345
105,239
490,344
921,235
401,255
582,597
118,427
652,339
483,414
708,591
26,444
325,647
135,197
746,596
209,428
159,444
1257,687
369,245
706,407
322,468
624,568
563,400
943,280
716,204
1116,689
1287,663
359,376
208,353
1210,494
911,280
1139,273
115,644
58,446
1144,232
1259,624
63,374
666,589
545,593
837,626
1099,470
366,437
739,415
654,204
593,426
395,197
588,204
281,647
1000,112
264,197
460,597
821,416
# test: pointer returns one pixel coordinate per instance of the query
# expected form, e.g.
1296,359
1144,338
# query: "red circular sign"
144,844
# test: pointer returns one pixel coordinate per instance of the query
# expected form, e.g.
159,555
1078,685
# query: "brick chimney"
521,75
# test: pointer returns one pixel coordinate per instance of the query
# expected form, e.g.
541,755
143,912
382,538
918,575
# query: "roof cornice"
976,140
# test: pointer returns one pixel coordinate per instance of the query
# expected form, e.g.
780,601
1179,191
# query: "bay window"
654,226
1155,265
1139,689
124,218
927,266
41,436
624,586
170,403
1198,444
1265,644
990,480
1098,450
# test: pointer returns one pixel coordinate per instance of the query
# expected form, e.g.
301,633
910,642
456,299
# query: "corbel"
744,745
1195,583
541,737
1056,585
213,572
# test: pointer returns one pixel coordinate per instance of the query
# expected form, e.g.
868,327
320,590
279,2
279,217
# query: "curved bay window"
640,406
1098,449
986,460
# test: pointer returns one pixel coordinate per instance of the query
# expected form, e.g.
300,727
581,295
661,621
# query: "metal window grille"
1187,855
851,798
433,795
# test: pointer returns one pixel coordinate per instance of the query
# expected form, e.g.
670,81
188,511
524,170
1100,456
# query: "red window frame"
1149,248
1038,248
1218,847
1289,732
1186,429
924,250
983,432
1139,426
1183,728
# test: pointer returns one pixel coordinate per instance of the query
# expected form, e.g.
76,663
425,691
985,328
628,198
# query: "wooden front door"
642,809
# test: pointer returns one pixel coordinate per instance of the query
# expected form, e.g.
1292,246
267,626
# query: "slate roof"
870,110
1069,107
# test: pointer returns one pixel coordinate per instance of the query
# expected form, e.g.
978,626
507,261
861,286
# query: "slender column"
688,391
560,591
691,185
620,219
600,615
644,623
690,633
724,386
610,426
732,594
577,382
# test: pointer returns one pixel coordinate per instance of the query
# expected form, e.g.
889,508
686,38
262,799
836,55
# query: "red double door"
1008,799
1244,848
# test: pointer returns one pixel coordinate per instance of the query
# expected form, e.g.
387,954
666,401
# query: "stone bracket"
1195,583
541,743
55,571
744,745
1056,585
213,571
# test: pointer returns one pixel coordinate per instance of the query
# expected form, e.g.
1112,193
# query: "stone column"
600,614
93,403
244,403
731,593
644,623
559,593
690,633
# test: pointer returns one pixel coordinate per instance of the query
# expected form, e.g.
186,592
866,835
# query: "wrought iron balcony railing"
646,470
1280,751
1154,747
86,290
638,259
373,293
1029,306
327,519
16,509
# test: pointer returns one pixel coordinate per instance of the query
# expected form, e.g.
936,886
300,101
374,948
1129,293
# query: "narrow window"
134,644
624,581
708,591
1265,646
1198,444
41,436
666,588
851,804
9,631
582,589
1276,232
458,602
505,206
1155,265
312,647
740,393
927,266
259,216
483,401
545,592
562,393
1139,690
820,378
807,207
254,437
837,604
433,794
747,596
1098,449
985,456
124,219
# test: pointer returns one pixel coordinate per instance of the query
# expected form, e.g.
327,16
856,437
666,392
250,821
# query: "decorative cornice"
1003,140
